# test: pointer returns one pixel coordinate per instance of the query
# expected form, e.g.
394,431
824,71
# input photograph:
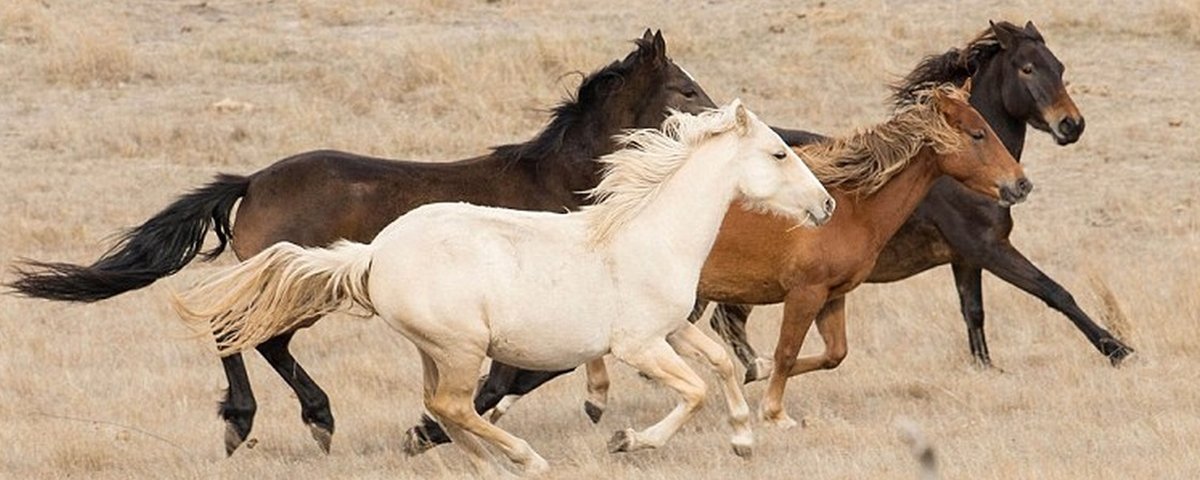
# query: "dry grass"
108,110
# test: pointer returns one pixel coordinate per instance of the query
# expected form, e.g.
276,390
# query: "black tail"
157,248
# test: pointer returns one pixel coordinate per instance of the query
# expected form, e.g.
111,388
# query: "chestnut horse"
878,177
316,198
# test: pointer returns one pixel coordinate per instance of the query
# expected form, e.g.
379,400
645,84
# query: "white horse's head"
772,176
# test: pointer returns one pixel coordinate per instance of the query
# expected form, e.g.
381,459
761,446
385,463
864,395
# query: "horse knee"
834,357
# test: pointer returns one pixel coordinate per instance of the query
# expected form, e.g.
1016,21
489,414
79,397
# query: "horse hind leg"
238,407
661,363
452,404
314,403
692,341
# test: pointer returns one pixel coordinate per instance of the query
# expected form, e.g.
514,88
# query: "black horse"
1017,81
317,198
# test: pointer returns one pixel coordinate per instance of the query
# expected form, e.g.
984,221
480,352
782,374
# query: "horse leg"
597,386
475,451
452,404
729,321
1011,266
660,362
831,323
692,341
967,279
798,311
502,382
238,407
314,403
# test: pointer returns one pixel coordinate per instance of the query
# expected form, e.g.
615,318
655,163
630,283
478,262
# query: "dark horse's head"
642,87
1011,66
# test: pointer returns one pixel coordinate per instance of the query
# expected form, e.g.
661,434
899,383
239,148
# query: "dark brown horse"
316,198
1017,81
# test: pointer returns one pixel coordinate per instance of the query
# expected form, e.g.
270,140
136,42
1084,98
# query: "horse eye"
977,134
689,93
780,155
1027,69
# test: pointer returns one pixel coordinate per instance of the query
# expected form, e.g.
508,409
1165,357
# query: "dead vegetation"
108,110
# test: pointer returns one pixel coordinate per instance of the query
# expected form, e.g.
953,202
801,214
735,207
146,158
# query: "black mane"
955,66
571,111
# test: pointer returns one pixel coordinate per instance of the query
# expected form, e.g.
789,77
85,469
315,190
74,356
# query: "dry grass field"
108,110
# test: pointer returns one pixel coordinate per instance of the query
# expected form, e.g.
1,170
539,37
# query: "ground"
108,110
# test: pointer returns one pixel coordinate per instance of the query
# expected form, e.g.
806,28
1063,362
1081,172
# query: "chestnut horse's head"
976,157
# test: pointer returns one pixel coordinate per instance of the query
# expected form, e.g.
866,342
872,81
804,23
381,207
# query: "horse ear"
648,37
1003,36
966,87
1033,32
741,115
660,49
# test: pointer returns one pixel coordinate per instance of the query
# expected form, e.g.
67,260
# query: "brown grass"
108,113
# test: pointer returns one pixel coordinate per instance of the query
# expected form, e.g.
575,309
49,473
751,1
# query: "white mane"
647,158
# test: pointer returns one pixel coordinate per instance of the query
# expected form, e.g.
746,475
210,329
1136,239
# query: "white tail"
282,288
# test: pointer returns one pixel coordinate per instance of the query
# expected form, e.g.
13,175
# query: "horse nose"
1016,192
1071,128
830,205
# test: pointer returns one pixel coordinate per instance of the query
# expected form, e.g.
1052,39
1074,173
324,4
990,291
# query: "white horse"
541,290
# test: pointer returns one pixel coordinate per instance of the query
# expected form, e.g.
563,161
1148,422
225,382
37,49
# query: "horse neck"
681,222
987,100
571,168
884,211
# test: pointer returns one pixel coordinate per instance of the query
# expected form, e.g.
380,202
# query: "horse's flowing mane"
862,163
571,111
647,158
956,65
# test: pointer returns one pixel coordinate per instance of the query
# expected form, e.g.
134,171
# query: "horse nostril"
1024,186
1070,127
830,205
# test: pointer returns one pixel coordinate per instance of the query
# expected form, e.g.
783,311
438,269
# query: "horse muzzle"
821,216
1015,192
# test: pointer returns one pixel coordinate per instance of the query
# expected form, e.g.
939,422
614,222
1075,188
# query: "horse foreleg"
597,386
1010,265
660,362
729,321
831,323
798,311
238,407
314,403
690,340
968,281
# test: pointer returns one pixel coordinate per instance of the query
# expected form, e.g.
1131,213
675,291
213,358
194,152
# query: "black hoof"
744,451
1116,351
593,411
751,374
415,443
621,441
234,437
322,435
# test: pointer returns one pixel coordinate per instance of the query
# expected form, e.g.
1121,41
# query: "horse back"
319,197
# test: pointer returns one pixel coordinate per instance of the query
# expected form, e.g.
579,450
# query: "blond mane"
647,159
862,163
